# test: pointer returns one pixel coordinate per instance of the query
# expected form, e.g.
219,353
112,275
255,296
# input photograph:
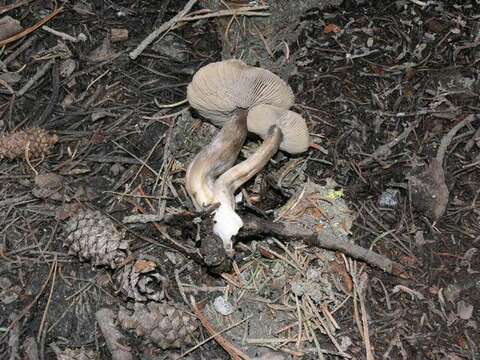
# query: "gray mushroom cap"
296,138
220,88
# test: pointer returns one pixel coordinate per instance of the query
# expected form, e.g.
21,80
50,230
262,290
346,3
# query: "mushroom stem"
227,223
214,159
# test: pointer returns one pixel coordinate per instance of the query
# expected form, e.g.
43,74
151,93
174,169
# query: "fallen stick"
165,27
212,257
41,71
428,190
247,11
7,8
447,139
256,226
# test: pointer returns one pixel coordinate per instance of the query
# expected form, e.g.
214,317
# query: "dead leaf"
429,192
331,28
144,266
339,269
8,27
49,181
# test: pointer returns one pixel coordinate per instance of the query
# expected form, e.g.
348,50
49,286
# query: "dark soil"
383,67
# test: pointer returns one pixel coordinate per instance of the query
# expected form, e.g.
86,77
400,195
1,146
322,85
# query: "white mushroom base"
226,224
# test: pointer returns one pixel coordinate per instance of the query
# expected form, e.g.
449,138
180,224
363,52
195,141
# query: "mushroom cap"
218,89
296,138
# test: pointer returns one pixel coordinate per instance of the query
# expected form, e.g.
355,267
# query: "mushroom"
281,129
224,92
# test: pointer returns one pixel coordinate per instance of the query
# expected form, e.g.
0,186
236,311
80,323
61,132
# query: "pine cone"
165,325
93,236
139,281
34,142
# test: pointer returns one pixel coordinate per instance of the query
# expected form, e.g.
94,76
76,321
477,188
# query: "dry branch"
447,139
256,226
156,33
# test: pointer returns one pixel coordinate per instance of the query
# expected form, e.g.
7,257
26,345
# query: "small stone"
117,169
49,180
298,288
82,37
389,198
223,306
419,239
464,310
346,342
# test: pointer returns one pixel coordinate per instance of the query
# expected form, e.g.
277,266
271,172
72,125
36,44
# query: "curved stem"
238,175
226,220
214,159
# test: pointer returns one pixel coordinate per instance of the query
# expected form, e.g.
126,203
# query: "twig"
7,8
213,336
38,75
29,306
30,348
165,27
53,97
447,139
165,106
324,325
419,3
257,226
31,29
475,138
361,289
236,354
403,114
26,44
14,338
385,149
142,218
61,35
49,301
245,11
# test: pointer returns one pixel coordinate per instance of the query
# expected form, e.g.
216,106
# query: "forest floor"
381,84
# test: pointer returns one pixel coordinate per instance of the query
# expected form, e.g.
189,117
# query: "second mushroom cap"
296,138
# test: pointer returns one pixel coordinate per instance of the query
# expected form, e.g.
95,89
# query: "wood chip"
118,35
